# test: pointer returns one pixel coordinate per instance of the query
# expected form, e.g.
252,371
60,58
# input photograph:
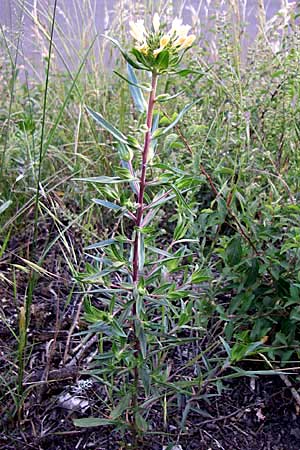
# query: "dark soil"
248,414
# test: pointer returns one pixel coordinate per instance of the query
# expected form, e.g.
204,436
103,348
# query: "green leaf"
145,376
278,73
100,244
5,205
240,350
180,229
241,302
226,346
181,199
295,314
200,275
93,422
183,318
140,332
166,97
107,204
254,373
107,126
104,180
135,91
185,72
234,251
146,87
125,54
98,277
162,60
159,200
141,251
184,417
126,155
121,407
140,57
252,273
117,329
140,422
163,131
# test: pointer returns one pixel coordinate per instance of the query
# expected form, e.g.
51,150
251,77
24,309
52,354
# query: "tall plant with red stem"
131,272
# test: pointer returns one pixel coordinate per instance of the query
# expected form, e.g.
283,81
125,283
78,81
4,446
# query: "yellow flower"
163,43
138,31
156,22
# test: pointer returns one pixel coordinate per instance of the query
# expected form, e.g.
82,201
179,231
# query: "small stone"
175,447
72,402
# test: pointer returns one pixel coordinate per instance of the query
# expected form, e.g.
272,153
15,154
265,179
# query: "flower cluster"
150,44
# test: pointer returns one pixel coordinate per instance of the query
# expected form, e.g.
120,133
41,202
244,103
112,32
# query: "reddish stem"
140,210
138,223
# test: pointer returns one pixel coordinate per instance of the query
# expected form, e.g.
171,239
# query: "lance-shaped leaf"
140,422
135,90
145,86
107,204
100,244
141,335
141,251
163,131
186,72
133,63
122,406
104,180
94,422
107,126
154,128
166,97
114,207
134,183
5,205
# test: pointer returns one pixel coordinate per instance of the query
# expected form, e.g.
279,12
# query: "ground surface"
249,414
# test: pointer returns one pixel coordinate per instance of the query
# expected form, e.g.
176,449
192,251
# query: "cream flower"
175,25
188,42
179,35
179,41
156,22
164,40
163,43
183,30
138,31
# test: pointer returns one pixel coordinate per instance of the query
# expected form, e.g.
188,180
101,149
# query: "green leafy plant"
146,292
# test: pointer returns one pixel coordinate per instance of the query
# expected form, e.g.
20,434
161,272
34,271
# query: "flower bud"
156,23
125,153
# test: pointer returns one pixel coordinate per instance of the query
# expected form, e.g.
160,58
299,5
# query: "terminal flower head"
157,48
